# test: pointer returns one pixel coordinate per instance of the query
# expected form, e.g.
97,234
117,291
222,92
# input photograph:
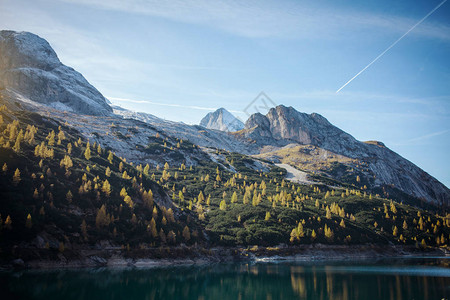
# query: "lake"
412,278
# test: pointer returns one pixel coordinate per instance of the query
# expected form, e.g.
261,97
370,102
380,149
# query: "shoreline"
185,256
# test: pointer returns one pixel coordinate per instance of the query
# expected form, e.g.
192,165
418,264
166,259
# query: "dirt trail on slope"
295,175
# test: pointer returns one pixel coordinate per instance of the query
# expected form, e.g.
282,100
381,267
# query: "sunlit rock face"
30,67
284,125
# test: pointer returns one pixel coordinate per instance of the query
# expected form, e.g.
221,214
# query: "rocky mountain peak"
25,50
221,119
286,123
30,67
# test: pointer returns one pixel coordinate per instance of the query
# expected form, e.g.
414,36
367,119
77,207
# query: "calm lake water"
384,279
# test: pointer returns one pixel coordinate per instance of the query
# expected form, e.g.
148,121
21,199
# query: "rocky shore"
184,255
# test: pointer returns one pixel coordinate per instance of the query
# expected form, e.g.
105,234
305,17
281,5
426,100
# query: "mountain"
30,67
373,161
222,120
306,141
121,185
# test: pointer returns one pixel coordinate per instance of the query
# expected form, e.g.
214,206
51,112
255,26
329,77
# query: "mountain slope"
380,165
196,134
230,200
30,67
222,120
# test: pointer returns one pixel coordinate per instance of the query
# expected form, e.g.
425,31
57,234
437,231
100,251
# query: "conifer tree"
152,228
170,216
28,222
201,197
329,235
8,222
300,231
181,196
16,177
69,196
223,205
328,213
128,201
423,244
405,225
171,237
186,234
106,188
110,157
146,169
102,219
234,197
51,138
19,139
87,152
294,235
395,231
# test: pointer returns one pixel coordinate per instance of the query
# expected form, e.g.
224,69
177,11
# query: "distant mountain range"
32,75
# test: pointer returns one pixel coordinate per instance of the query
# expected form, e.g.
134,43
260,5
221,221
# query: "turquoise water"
383,279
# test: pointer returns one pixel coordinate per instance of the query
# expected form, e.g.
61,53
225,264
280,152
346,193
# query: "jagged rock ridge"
30,67
286,124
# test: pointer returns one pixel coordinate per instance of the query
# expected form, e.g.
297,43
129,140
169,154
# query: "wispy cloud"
418,140
114,99
269,18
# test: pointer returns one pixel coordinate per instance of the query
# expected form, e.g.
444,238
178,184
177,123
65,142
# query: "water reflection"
405,279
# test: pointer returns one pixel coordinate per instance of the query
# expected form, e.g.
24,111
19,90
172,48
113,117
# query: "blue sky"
178,60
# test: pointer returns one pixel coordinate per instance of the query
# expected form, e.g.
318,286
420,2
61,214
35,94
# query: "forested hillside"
62,193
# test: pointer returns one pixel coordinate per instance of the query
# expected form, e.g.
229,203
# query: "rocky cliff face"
222,120
30,67
285,124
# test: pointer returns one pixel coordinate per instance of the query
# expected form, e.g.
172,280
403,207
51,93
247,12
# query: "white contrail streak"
393,44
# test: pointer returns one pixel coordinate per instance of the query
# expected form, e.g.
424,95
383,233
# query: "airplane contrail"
393,44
